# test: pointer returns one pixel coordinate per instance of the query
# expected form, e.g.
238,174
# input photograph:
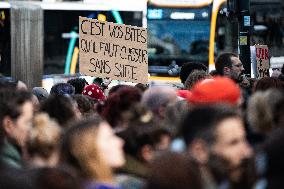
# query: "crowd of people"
221,131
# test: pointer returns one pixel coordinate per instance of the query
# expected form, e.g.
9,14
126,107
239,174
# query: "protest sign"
112,50
262,61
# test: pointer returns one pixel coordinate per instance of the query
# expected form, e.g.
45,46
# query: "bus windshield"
177,36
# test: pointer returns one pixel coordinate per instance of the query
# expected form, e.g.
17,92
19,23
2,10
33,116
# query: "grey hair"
157,97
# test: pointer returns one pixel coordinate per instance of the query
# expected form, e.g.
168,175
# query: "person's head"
216,138
16,115
266,83
263,110
144,139
174,114
61,108
272,153
40,92
115,88
173,171
188,68
228,64
85,105
142,87
213,73
194,77
43,141
91,148
62,89
157,98
119,102
78,84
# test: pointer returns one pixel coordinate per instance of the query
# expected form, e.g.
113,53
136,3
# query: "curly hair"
119,102
194,77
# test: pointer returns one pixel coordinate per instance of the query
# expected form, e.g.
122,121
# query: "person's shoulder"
127,181
10,157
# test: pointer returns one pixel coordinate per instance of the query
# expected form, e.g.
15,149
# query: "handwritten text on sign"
113,50
262,61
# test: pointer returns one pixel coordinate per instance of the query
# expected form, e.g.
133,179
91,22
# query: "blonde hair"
79,150
43,138
261,110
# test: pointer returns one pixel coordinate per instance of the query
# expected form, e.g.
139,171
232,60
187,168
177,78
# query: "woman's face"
110,146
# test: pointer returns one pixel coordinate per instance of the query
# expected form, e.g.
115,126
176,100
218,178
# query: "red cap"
216,90
94,92
183,93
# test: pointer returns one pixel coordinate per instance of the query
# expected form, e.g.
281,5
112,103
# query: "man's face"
22,125
237,68
231,148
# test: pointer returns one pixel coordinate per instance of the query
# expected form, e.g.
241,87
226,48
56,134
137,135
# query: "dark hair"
55,178
273,151
78,127
115,88
200,122
62,89
140,134
194,77
16,179
213,73
224,60
142,87
119,102
11,102
78,84
189,67
60,108
268,83
85,105
98,81
173,171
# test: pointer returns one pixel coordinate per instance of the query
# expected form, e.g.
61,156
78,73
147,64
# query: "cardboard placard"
112,50
262,61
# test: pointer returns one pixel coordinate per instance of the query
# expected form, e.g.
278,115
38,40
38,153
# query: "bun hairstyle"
44,137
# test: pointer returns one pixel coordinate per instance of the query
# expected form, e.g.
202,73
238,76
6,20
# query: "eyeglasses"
238,65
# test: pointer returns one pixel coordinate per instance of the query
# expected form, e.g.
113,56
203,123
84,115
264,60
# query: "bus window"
177,35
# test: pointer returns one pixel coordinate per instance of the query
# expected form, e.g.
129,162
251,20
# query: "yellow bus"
180,31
